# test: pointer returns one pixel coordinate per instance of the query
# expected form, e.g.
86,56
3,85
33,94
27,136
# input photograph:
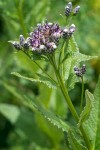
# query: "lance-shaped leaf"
42,79
74,143
50,116
86,111
34,104
92,125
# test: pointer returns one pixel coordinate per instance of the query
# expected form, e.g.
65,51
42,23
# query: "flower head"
67,32
80,71
45,38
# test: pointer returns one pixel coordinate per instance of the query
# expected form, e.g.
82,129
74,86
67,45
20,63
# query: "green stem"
59,60
89,146
62,58
63,89
41,68
68,100
45,72
81,105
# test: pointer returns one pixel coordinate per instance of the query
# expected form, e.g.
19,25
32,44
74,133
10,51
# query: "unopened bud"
80,71
76,10
26,45
17,45
22,40
68,9
72,28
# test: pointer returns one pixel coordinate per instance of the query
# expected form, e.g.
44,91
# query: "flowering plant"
56,46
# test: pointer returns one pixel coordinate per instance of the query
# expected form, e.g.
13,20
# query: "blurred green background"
20,127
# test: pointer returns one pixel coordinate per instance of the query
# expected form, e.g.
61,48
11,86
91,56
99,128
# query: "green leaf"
11,112
13,91
50,116
86,111
25,62
73,58
71,81
42,79
74,143
53,118
92,125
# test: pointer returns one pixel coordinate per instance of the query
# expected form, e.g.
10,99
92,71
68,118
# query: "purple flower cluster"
45,38
80,71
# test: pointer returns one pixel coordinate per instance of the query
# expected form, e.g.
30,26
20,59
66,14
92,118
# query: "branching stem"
68,100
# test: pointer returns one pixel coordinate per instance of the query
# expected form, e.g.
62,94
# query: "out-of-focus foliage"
20,127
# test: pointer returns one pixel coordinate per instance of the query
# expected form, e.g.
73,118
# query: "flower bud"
22,40
26,45
76,10
83,69
72,29
80,71
68,9
65,33
17,45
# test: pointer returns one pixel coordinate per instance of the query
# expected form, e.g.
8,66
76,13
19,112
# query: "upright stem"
81,105
64,90
68,100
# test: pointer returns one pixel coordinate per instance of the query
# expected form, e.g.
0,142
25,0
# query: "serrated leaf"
51,117
73,59
11,112
86,111
41,79
71,81
74,143
48,81
92,125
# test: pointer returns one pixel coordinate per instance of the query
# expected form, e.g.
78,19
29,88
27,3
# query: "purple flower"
67,32
80,71
45,38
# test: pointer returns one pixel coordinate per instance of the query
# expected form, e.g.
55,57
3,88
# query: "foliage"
33,111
